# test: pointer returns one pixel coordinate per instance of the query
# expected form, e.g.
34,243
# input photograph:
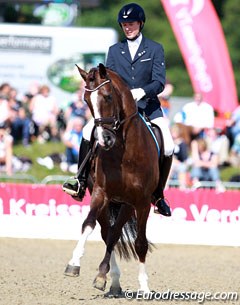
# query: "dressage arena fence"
55,179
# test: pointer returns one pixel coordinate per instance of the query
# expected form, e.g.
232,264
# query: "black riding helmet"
130,13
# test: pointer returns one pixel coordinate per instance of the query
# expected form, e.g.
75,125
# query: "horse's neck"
129,105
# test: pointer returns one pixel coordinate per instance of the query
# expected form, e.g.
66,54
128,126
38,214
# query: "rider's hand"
138,94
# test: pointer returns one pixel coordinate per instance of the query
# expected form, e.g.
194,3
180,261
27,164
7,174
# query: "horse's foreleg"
73,267
141,247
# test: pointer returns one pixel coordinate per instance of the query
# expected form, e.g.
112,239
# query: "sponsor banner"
53,51
45,211
202,43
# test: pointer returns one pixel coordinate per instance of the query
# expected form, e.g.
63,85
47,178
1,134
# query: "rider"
140,63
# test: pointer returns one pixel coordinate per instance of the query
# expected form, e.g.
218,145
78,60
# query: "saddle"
156,134
159,138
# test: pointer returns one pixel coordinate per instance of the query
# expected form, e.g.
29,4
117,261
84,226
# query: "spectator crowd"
204,142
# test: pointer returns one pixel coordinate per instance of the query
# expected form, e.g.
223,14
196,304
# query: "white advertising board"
47,55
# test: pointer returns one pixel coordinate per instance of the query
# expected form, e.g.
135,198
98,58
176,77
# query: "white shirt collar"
135,42
134,45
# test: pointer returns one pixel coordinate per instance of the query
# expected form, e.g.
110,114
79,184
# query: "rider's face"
131,29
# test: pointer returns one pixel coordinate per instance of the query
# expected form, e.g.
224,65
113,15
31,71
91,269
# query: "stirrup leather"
156,207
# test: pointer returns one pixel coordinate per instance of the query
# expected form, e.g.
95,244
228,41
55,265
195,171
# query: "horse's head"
104,100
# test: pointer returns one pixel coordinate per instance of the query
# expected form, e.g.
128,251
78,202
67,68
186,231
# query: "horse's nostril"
109,139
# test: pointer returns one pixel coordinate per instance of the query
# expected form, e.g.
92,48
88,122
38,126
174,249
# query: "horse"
125,175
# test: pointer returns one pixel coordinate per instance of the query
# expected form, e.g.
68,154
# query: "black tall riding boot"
164,170
76,186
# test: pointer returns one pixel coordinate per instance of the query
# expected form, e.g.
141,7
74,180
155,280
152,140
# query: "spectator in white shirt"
196,116
4,110
44,110
6,150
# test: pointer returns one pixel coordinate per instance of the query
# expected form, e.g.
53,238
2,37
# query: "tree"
231,25
158,28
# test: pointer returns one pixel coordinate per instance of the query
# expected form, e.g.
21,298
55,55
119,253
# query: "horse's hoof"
114,292
73,271
99,283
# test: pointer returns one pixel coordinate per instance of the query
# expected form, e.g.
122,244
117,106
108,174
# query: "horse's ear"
102,70
82,72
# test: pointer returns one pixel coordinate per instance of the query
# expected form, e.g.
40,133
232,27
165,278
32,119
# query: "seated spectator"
6,150
195,117
5,89
233,124
4,110
235,152
19,123
13,97
218,143
72,140
27,97
20,126
204,165
180,157
44,111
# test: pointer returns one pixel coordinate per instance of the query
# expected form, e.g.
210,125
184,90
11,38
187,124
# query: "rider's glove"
138,94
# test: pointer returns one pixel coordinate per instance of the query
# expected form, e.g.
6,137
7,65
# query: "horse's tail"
125,246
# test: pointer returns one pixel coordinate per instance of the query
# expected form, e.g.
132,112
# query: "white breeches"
87,130
161,122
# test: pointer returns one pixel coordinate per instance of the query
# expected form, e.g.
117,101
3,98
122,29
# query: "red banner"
45,211
201,40
203,205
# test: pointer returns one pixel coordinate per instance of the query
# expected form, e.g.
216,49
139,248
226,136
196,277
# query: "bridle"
114,120
99,86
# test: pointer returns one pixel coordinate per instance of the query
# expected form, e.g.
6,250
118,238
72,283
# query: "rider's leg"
76,186
164,167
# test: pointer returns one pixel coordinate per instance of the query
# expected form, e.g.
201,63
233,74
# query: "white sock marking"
79,249
114,271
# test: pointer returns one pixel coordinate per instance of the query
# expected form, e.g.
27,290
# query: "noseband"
114,121
99,86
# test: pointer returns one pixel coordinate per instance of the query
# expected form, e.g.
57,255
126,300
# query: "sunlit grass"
37,150
39,172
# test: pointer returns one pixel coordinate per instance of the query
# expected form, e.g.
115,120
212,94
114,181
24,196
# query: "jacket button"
132,77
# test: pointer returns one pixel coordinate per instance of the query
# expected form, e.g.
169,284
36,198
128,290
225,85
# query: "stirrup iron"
72,192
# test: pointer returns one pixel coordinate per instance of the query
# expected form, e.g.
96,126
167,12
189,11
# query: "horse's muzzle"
109,138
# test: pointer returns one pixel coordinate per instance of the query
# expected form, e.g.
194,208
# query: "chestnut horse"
126,174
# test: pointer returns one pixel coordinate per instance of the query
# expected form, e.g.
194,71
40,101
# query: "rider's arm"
110,60
158,80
